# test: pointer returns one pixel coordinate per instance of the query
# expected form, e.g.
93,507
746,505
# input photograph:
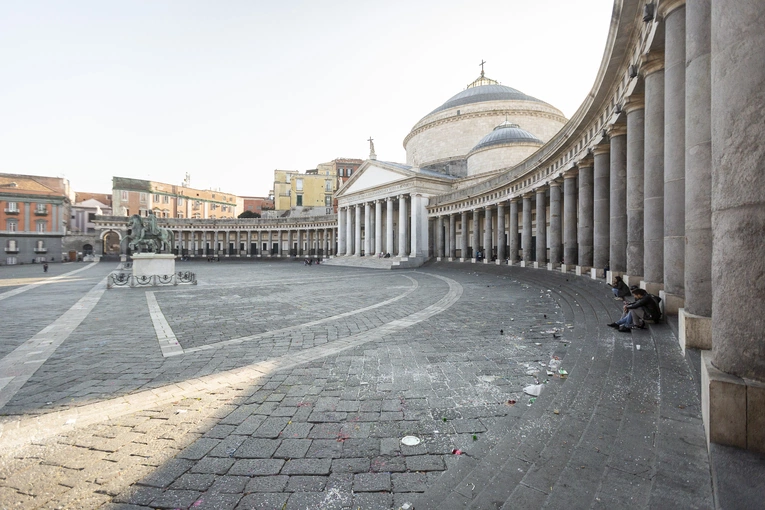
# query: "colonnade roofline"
323,221
583,132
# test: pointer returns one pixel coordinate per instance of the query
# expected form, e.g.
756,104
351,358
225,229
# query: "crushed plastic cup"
410,440
533,389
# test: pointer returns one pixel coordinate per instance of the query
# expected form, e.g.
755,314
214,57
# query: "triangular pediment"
374,174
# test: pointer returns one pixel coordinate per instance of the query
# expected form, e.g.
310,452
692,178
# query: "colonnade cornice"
667,7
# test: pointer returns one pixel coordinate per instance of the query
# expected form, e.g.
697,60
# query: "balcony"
11,211
41,250
12,250
41,212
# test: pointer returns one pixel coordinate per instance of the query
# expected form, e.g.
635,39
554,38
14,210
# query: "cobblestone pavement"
292,387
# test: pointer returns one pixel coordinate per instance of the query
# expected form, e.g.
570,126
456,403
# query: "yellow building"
314,188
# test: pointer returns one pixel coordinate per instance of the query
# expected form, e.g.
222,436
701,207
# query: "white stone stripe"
234,341
14,434
167,341
20,364
14,292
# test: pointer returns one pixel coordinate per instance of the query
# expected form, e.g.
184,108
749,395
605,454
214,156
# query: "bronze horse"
141,237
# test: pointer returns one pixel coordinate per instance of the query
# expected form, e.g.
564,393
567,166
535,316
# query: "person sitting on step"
635,314
620,289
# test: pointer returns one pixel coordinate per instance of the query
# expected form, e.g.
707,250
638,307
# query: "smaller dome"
506,133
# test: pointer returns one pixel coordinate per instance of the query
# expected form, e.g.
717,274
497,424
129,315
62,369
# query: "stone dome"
442,139
506,133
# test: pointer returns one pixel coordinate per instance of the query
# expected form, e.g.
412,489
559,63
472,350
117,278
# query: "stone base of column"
695,331
451,259
652,288
610,275
671,303
499,262
551,266
537,265
486,261
632,280
462,259
473,261
438,259
733,409
524,264
567,268
595,273
582,270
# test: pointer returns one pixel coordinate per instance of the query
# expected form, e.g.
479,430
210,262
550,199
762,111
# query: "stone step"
488,483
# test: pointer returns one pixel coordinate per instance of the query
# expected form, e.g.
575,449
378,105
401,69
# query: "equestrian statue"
146,235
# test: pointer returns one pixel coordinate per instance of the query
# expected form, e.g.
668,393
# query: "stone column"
734,401
464,239
674,154
476,233
357,238
340,232
348,232
278,243
403,235
332,242
417,231
541,247
452,236
389,226
569,220
556,232
513,232
635,111
618,201
268,242
487,237
526,234
653,187
601,230
500,232
695,327
584,229
367,228
378,226
440,237
289,243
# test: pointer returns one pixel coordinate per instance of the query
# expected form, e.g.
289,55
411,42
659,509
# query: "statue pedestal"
151,264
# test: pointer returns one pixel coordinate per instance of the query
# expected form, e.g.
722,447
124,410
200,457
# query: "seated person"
620,289
645,307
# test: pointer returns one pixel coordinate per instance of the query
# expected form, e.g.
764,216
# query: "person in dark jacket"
644,308
620,289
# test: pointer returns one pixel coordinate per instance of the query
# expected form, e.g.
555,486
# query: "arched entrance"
87,249
111,240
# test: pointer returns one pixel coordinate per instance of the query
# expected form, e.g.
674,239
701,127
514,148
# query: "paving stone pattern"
622,430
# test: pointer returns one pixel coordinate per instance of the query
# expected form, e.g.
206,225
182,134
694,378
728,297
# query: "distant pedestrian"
45,267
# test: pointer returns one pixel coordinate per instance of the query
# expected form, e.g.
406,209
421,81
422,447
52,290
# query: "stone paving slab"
312,417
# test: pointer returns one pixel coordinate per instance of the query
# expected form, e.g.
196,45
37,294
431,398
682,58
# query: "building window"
327,185
196,216
180,215
156,197
143,198
349,171
11,226
41,226
213,207
125,211
165,199
41,208
299,200
327,200
11,246
213,195
288,178
299,185
180,201
124,195
91,217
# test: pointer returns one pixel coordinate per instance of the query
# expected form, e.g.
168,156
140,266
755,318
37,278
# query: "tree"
249,214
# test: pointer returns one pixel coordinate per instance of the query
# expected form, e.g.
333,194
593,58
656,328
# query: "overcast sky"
228,91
